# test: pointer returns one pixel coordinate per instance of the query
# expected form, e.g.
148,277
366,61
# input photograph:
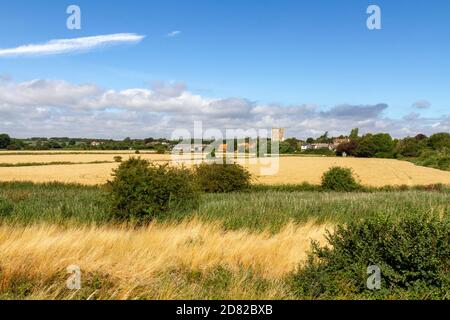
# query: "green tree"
354,134
439,141
324,138
285,148
375,145
408,147
5,140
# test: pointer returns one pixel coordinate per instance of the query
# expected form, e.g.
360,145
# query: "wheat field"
292,170
134,257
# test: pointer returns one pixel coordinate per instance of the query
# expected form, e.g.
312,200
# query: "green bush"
412,253
217,177
143,191
117,159
339,179
6,207
434,159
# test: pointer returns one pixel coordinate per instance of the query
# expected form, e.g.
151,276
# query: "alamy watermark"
374,279
73,282
73,22
258,147
374,20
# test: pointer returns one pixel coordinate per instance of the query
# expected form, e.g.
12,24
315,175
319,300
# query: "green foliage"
5,140
160,149
434,159
143,191
218,177
412,253
354,134
324,138
372,144
286,148
439,141
408,147
290,145
269,207
6,207
339,179
117,159
59,203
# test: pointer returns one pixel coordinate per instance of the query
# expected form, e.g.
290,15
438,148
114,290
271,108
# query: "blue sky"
286,53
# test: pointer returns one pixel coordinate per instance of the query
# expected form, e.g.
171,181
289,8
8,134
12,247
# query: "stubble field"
81,168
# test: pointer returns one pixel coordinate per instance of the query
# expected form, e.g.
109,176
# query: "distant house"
188,148
317,146
95,143
306,147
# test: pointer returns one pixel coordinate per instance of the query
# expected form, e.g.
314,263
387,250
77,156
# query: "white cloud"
59,108
60,46
174,33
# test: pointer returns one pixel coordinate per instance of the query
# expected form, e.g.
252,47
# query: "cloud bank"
60,46
59,108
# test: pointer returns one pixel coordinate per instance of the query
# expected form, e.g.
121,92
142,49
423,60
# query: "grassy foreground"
235,246
76,205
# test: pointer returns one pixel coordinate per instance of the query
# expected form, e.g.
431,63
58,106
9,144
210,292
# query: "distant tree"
354,134
5,140
294,144
348,147
324,138
439,141
408,147
310,140
379,145
285,147
420,137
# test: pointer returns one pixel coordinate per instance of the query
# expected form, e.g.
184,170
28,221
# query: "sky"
147,68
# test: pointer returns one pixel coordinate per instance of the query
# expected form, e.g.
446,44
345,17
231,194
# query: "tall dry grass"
140,254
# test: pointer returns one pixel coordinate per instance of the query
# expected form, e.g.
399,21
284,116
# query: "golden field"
292,170
135,257
14,158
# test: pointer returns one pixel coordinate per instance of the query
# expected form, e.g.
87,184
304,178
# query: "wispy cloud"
421,104
173,33
60,46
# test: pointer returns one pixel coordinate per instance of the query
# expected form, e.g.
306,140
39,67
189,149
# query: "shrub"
117,159
160,149
217,177
413,255
339,179
6,207
142,191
